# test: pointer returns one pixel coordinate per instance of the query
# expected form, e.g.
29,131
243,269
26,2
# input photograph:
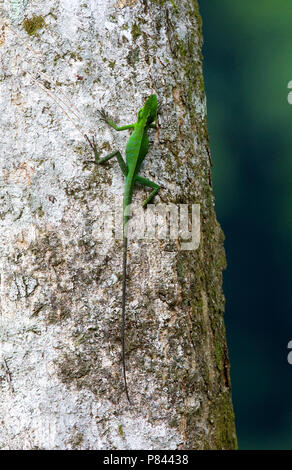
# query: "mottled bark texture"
61,374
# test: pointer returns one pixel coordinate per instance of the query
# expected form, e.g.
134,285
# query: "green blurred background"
247,66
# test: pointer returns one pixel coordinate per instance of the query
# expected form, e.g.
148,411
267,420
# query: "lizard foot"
92,143
102,114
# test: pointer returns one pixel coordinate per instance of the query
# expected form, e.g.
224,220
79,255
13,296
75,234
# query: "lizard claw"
102,114
91,142
94,148
86,162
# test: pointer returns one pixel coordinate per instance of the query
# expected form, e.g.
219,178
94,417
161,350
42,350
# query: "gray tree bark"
61,373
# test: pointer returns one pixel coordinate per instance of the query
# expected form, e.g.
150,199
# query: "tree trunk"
61,375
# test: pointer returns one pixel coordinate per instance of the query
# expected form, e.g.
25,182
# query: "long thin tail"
124,313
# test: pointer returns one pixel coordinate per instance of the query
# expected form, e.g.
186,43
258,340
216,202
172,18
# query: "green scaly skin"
136,150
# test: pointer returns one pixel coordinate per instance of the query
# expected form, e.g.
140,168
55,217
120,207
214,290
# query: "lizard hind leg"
149,184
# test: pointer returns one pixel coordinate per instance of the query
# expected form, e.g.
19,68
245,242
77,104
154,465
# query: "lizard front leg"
104,117
100,161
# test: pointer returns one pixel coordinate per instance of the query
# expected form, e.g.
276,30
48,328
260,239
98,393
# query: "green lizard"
136,150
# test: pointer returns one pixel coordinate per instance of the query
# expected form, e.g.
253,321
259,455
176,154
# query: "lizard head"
149,110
